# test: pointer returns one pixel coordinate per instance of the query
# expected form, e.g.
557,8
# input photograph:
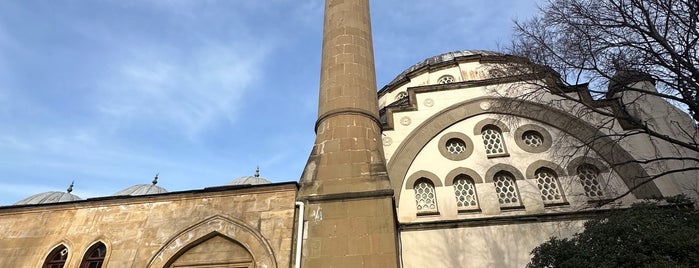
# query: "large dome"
250,180
143,189
50,197
440,60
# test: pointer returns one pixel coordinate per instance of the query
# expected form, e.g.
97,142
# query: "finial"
155,180
257,172
70,188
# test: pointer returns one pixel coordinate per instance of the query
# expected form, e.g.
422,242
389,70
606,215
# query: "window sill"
498,155
469,210
510,208
427,213
557,204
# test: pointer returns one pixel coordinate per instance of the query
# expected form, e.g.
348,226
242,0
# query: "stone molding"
233,229
462,170
410,183
533,167
489,121
490,174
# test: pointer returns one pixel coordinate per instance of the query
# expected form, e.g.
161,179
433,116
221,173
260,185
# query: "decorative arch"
576,162
410,183
95,254
610,151
502,167
462,170
533,167
56,249
490,121
232,229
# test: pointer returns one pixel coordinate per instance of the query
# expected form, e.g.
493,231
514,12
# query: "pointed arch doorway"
215,251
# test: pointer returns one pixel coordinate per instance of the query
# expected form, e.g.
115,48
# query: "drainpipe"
299,235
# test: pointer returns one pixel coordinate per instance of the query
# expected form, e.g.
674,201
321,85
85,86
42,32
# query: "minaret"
350,213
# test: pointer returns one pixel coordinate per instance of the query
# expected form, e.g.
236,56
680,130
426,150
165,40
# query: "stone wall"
153,231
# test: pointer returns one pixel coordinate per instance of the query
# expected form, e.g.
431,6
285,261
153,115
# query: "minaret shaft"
347,155
350,211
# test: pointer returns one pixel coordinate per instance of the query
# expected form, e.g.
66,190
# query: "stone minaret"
350,213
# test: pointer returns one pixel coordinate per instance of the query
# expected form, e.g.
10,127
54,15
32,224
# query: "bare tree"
596,48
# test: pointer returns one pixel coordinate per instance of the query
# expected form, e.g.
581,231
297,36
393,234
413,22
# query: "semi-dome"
143,189
50,197
250,180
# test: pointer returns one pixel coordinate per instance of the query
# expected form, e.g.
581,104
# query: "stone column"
350,212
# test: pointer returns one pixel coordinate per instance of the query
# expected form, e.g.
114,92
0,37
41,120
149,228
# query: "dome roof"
439,60
250,180
50,197
143,189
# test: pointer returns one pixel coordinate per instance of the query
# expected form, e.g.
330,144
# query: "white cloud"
189,90
13,143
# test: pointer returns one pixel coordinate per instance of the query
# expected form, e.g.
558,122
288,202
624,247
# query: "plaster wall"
506,245
431,159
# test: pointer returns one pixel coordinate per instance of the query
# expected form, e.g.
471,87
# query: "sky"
108,93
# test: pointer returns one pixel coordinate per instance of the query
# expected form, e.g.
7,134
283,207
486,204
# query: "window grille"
532,138
445,79
492,139
425,196
456,146
57,258
547,181
588,176
465,192
94,258
506,188
401,95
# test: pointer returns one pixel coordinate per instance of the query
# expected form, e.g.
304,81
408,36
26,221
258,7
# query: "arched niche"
610,151
234,234
215,249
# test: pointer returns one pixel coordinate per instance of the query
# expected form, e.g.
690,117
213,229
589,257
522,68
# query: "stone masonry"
350,208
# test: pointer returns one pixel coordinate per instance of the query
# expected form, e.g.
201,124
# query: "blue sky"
110,92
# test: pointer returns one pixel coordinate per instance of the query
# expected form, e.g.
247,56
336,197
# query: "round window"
445,79
456,146
532,138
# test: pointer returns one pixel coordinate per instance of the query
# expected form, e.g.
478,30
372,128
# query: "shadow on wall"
505,245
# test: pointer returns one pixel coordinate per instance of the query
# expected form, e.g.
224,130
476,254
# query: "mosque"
461,161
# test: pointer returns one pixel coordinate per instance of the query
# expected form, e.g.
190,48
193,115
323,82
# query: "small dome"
143,189
250,180
50,197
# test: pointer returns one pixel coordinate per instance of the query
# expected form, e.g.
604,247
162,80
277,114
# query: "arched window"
492,139
445,79
401,95
57,258
506,188
465,192
588,176
425,197
94,256
549,186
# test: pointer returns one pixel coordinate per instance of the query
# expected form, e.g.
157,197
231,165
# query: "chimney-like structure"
350,211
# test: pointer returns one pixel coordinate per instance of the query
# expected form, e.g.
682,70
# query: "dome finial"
70,188
257,172
155,180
